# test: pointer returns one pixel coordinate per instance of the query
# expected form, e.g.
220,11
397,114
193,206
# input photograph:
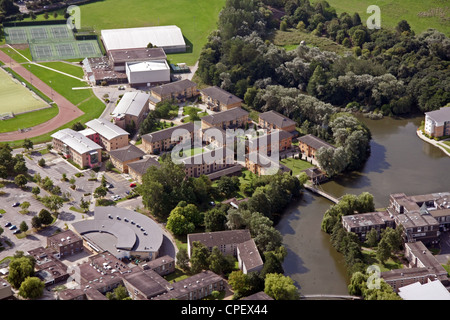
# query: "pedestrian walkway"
435,143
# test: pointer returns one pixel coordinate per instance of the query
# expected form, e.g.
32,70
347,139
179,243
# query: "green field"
84,99
296,165
15,97
16,56
195,18
420,15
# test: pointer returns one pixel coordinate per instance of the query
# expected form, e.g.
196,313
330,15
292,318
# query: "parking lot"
86,182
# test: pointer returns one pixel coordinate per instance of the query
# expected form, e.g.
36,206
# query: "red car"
133,185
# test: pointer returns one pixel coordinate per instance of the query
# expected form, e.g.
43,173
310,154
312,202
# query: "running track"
67,110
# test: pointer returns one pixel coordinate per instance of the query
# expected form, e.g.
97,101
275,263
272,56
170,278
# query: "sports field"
52,42
195,18
15,97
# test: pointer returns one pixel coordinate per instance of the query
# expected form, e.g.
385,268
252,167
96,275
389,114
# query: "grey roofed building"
173,87
106,128
249,257
230,171
195,287
276,119
127,153
141,166
314,142
131,103
218,238
76,141
225,116
120,56
169,38
443,114
221,95
144,285
167,133
222,154
266,140
114,229
261,295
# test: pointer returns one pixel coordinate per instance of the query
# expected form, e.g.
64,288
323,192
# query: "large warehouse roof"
166,37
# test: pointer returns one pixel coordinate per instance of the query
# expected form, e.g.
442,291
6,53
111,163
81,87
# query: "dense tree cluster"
402,71
391,71
11,165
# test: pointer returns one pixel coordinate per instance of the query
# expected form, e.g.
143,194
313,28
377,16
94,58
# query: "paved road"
67,110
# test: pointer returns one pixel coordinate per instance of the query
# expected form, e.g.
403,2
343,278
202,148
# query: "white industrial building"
147,73
169,38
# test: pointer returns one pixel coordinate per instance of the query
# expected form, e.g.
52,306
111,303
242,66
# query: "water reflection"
399,162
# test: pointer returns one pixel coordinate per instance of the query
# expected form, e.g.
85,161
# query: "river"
399,162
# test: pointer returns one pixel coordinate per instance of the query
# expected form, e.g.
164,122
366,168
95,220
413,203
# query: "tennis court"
52,42
65,50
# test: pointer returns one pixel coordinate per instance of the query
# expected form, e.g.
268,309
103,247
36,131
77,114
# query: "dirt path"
67,110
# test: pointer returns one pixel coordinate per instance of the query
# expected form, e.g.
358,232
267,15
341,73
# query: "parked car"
7,224
12,227
16,204
132,185
17,231
109,186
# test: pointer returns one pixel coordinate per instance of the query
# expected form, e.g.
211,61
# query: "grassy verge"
16,56
296,165
29,119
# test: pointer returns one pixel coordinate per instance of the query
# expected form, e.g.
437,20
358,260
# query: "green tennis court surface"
52,42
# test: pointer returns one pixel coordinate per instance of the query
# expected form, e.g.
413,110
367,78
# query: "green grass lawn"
62,83
296,165
290,39
69,68
393,11
16,56
196,19
84,99
187,110
27,120
371,259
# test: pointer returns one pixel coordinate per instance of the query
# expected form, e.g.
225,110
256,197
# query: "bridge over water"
322,193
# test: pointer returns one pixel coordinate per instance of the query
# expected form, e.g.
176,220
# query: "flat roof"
106,128
131,103
138,54
433,290
129,38
76,141
145,66
123,225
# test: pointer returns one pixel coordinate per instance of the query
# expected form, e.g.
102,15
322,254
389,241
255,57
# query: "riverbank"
438,144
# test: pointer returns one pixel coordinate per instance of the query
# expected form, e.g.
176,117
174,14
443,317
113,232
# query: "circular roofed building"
122,232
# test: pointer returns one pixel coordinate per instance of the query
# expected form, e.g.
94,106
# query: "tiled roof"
276,119
127,153
173,87
225,116
221,95
314,142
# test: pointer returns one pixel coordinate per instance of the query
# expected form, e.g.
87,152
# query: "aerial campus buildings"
136,56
